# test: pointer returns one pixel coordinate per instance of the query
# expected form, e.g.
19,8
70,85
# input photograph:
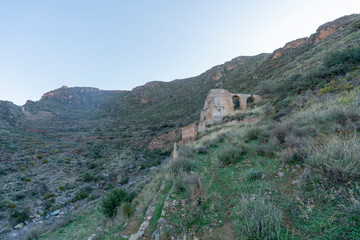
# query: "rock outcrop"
323,32
219,103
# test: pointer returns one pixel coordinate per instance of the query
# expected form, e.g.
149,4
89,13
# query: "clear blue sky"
120,44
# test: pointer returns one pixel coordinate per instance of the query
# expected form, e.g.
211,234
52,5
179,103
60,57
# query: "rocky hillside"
72,147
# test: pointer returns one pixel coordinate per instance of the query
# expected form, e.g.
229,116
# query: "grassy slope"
310,210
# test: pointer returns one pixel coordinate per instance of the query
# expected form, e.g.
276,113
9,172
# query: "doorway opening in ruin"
250,101
236,102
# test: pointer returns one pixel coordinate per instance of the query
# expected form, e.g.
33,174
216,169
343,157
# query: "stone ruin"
218,104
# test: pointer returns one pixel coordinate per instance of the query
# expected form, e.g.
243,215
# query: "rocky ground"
44,179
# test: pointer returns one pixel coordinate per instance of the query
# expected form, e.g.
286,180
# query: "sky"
120,44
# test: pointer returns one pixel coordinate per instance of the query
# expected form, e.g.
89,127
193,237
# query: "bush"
266,150
48,195
113,200
343,115
197,187
92,165
82,194
88,177
257,219
335,160
280,133
185,152
254,175
201,150
266,88
253,133
180,164
231,154
340,62
126,209
19,216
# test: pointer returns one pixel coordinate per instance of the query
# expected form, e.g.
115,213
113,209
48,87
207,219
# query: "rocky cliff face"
320,35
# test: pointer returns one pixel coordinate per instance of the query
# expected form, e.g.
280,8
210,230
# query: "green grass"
81,228
159,206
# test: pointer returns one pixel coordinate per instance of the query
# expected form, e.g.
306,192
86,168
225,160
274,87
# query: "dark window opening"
250,100
236,103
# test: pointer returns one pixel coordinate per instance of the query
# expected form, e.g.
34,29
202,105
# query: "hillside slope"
68,150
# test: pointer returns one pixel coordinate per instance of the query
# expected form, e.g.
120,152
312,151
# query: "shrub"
280,133
88,177
62,188
339,62
45,160
92,165
19,216
126,209
185,152
40,156
266,88
180,164
22,168
335,160
254,175
113,200
197,188
342,115
201,150
257,219
27,179
124,180
48,204
298,146
12,205
48,195
289,155
266,150
82,194
253,133
231,154
179,183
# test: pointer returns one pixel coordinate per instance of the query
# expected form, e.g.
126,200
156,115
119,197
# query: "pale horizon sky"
118,44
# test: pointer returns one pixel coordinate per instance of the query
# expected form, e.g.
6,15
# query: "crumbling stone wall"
189,133
219,103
